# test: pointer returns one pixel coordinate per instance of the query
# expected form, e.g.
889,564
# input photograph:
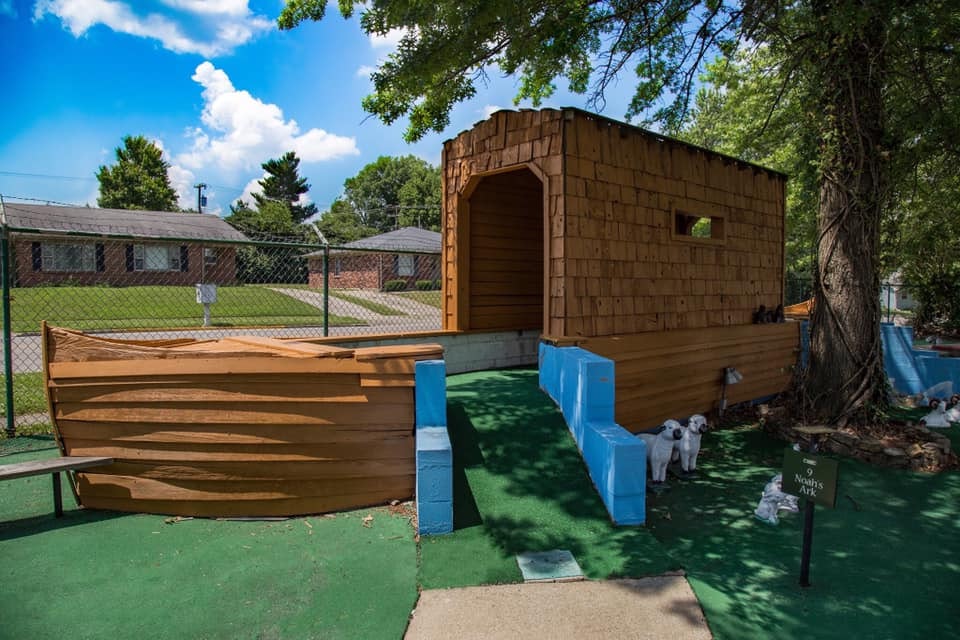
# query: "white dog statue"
688,447
660,448
937,418
953,408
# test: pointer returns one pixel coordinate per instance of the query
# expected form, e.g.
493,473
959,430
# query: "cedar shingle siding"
579,225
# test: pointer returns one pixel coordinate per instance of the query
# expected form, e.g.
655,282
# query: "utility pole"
201,200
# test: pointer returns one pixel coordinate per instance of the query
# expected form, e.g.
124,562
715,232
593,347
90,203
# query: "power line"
44,200
18,174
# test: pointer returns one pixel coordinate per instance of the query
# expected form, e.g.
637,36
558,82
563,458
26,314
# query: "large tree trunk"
845,381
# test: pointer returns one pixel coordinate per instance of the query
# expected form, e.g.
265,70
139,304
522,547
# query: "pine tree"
285,184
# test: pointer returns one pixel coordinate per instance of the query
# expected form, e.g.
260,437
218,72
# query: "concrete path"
662,607
336,306
401,303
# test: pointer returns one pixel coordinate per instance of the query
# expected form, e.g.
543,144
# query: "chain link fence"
156,287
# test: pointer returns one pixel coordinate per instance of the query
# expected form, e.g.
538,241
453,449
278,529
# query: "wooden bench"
53,466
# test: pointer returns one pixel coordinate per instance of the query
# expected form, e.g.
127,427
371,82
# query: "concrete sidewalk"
660,607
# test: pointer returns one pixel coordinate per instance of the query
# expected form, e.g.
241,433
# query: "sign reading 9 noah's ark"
811,477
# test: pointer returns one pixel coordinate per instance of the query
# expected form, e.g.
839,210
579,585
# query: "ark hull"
242,426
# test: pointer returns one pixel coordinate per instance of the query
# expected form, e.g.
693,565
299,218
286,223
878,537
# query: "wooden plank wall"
274,436
625,273
507,140
506,252
673,374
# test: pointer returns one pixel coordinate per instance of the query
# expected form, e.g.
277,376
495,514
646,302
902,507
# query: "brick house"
408,254
89,246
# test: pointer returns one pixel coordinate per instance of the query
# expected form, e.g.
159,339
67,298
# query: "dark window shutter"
37,254
184,254
101,258
396,265
416,264
129,257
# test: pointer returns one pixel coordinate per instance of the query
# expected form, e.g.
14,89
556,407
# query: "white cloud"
216,27
365,71
7,9
388,40
210,7
241,131
489,109
183,181
251,188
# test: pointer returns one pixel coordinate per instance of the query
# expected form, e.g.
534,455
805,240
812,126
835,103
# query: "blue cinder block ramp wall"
434,454
582,385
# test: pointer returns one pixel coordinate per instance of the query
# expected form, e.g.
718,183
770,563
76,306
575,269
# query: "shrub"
425,285
395,285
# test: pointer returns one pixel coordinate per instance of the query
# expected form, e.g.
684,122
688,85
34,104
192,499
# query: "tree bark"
845,381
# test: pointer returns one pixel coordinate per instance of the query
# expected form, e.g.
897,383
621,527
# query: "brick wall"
112,265
370,270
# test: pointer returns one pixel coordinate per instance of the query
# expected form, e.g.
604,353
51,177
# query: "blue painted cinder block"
596,388
434,518
583,385
549,366
627,465
434,459
627,510
431,393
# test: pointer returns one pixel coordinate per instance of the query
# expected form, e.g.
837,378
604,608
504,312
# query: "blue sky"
214,82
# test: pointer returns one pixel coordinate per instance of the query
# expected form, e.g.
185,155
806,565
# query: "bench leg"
57,498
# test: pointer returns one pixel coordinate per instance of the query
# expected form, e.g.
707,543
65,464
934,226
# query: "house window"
156,257
68,257
691,226
405,264
337,266
210,256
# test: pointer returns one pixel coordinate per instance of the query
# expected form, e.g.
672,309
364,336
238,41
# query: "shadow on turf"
883,561
504,424
25,527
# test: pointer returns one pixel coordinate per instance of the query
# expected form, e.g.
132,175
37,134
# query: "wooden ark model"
243,426
645,249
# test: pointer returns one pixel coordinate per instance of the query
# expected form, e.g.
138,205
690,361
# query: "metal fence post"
7,330
326,289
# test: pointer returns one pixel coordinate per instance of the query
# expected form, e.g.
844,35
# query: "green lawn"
425,297
99,308
376,307
28,396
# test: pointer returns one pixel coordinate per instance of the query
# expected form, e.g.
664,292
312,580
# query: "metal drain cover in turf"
548,566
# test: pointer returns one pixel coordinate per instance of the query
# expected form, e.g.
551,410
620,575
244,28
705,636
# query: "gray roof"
123,222
407,239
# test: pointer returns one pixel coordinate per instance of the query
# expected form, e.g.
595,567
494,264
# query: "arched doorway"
503,252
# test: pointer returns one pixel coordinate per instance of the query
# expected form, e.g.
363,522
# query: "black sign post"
814,478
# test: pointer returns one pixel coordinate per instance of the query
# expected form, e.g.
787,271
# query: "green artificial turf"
884,562
96,308
97,574
520,485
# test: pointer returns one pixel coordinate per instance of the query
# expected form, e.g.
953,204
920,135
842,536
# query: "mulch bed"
900,443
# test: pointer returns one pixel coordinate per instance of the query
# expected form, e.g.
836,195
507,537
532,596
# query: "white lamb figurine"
938,417
688,447
953,408
660,448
